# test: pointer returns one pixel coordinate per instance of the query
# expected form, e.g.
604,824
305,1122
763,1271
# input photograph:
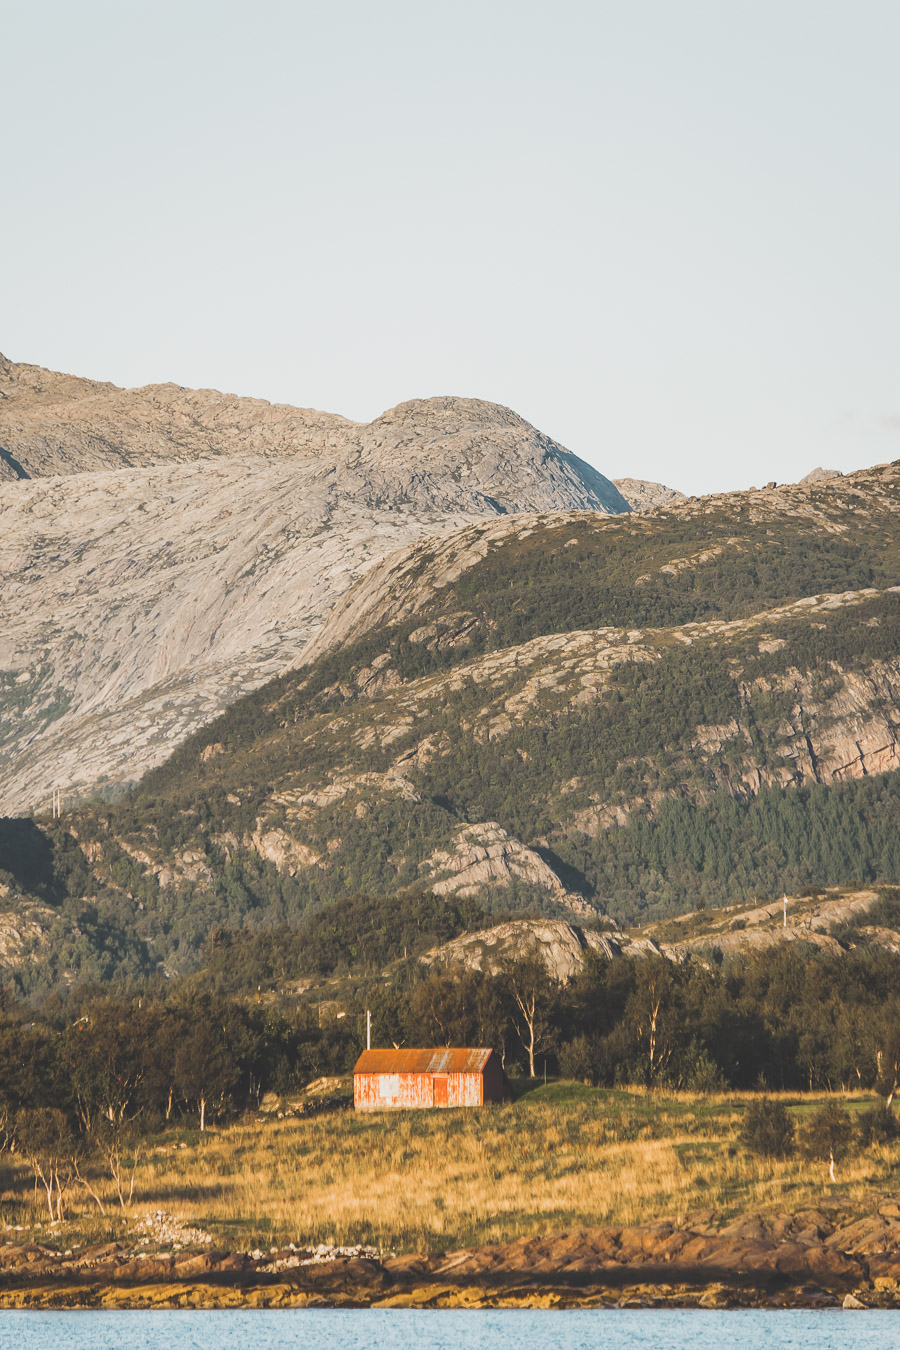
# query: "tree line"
85,1085
785,1020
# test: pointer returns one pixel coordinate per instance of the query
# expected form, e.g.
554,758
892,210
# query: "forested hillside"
621,717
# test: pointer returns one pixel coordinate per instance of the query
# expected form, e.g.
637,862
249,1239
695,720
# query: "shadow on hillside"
516,1088
27,855
570,876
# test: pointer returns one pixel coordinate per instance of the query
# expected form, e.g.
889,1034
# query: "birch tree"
828,1136
47,1141
121,1148
650,1016
531,995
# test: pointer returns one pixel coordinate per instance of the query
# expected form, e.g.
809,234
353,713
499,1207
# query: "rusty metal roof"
422,1061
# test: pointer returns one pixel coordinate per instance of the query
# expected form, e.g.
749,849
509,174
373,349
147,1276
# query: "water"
321,1329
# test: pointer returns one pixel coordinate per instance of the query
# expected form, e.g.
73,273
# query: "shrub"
578,1059
878,1126
828,1135
768,1129
704,1074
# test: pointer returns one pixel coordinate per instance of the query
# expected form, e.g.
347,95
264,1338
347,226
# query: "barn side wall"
386,1091
411,1091
464,1089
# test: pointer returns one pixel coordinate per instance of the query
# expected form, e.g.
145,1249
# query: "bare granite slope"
175,548
52,424
642,495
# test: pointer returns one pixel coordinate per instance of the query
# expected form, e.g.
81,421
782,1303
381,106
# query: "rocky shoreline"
829,1256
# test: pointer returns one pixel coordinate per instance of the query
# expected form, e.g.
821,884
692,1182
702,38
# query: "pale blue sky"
665,231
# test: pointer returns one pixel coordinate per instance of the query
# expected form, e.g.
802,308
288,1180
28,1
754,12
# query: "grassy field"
562,1155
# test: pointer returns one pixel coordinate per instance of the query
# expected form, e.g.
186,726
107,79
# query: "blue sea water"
321,1329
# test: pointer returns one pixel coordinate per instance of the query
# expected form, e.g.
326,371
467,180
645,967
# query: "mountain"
166,550
608,719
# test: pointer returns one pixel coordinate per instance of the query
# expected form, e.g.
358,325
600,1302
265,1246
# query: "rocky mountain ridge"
399,741
818,714
471,683
176,548
55,425
683,542
733,932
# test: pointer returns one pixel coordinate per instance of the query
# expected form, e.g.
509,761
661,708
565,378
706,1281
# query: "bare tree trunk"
654,1021
116,1170
60,1193
89,1188
202,1114
48,1187
527,1009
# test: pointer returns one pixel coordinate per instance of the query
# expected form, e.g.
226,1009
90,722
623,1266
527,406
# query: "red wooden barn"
384,1079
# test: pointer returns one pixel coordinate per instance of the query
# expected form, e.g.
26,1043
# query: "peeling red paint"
410,1079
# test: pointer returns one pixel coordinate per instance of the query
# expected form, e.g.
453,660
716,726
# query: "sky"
664,231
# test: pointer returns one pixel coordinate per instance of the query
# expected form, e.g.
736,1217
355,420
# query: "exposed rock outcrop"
821,475
560,945
642,495
484,856
838,1254
731,932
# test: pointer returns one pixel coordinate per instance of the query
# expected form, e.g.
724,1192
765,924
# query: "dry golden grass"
562,1156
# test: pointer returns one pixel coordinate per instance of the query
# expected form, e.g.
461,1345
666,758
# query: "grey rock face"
560,945
642,495
176,548
821,475
58,424
438,452
484,856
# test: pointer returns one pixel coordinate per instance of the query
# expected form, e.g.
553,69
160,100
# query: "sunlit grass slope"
561,1156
